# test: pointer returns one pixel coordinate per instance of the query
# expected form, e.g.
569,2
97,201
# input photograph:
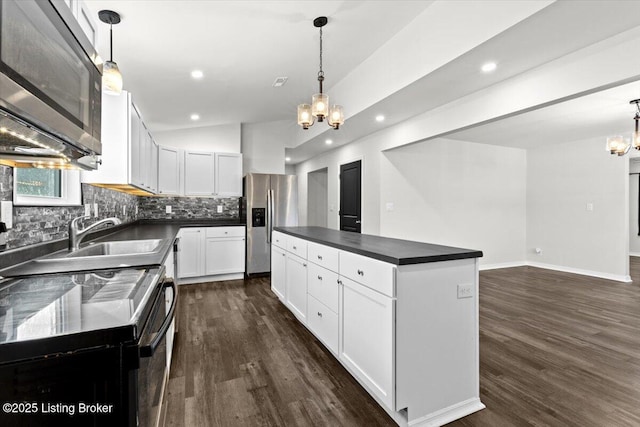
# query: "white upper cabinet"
85,19
198,173
228,174
169,161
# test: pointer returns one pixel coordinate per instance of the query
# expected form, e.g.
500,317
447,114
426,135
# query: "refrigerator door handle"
268,216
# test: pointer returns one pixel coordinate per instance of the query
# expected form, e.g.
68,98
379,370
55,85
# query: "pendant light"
619,145
319,107
111,77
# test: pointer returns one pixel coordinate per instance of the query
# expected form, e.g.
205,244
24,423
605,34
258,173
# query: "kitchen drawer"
377,275
279,239
323,322
225,231
322,284
297,246
324,256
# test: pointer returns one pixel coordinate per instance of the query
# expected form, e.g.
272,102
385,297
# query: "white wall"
457,193
263,146
223,138
317,198
561,181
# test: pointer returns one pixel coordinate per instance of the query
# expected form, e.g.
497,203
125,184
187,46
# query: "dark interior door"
350,195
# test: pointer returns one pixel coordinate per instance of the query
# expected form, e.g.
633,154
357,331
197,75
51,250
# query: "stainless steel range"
85,348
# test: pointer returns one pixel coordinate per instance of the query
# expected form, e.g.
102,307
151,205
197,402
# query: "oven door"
153,356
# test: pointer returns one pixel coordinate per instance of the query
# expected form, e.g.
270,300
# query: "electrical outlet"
124,210
589,207
219,208
167,209
465,291
389,206
6,213
87,209
95,210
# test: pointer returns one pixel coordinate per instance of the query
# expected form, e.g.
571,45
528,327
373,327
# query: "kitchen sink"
121,247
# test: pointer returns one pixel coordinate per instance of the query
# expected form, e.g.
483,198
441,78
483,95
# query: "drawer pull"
304,264
319,314
320,257
282,254
319,277
339,282
361,273
295,249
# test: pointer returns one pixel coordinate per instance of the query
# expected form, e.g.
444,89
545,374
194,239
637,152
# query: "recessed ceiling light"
380,118
280,81
195,117
197,74
489,67
287,159
328,142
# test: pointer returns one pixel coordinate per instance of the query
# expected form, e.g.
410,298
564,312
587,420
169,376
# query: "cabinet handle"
319,314
304,264
320,257
294,248
282,254
319,277
361,273
226,232
339,282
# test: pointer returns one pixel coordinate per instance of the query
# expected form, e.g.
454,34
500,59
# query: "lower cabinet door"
296,292
224,255
278,272
323,322
190,252
367,342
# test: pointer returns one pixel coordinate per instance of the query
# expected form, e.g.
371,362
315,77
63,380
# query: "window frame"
70,188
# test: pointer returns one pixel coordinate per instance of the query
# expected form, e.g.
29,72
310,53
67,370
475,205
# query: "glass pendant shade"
320,106
635,140
305,118
336,116
618,145
111,78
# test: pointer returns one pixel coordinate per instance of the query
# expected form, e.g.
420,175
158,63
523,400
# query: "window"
46,187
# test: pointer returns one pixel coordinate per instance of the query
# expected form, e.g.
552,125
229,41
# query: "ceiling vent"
280,81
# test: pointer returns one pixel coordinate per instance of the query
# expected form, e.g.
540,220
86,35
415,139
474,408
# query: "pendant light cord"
110,42
320,73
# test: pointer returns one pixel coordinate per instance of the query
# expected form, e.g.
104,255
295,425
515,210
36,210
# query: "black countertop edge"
13,257
394,251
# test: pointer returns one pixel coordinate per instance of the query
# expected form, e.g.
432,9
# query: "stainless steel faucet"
76,235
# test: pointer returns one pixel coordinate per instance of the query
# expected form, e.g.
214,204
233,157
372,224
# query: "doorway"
317,197
350,196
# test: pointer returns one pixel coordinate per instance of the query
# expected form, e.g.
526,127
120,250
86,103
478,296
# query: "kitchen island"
401,316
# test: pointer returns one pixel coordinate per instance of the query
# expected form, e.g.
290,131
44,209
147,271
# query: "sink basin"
121,247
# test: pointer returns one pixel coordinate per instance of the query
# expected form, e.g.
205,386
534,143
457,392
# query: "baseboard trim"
634,253
447,415
598,274
216,278
503,265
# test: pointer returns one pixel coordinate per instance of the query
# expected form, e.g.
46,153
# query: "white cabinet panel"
169,170
228,174
297,246
296,292
190,252
279,239
375,274
87,22
278,272
224,255
322,255
367,344
323,285
324,323
198,173
238,231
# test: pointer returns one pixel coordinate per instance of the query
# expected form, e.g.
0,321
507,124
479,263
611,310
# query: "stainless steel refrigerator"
271,201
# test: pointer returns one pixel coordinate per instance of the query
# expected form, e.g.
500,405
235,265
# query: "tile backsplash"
35,224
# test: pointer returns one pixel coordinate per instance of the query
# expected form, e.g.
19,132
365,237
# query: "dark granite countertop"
394,251
27,261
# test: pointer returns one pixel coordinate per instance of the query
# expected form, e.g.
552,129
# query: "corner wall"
577,209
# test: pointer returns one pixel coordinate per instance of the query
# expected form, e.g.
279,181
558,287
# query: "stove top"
42,307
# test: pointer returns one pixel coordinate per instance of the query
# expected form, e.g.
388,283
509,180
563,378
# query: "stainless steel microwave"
50,85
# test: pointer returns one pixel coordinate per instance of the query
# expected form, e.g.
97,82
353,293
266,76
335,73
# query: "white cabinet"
169,160
122,143
278,272
296,286
228,174
191,252
85,18
198,173
170,273
224,249
367,324
211,253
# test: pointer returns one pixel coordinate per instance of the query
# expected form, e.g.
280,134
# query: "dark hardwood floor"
556,349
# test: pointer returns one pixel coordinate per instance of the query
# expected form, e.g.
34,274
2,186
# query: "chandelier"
620,145
319,108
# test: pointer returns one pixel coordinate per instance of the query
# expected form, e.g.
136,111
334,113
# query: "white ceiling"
242,46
